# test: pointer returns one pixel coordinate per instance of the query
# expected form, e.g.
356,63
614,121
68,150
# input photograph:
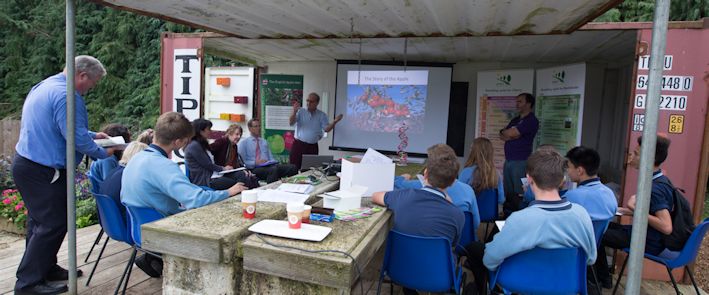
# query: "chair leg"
379,285
100,254
595,280
129,265
674,283
98,239
622,269
487,231
691,277
130,270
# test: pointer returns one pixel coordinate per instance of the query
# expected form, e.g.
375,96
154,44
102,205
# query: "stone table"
270,268
202,248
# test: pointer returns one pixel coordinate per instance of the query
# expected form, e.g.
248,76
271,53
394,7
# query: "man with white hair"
39,171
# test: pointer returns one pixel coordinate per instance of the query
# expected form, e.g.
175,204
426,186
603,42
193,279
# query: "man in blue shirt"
257,156
429,211
310,124
152,180
39,171
659,220
598,200
549,222
518,136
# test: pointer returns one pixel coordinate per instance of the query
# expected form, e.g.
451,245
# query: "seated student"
429,211
146,136
200,162
598,200
549,222
257,156
479,171
152,180
100,168
659,220
226,153
111,186
528,195
460,193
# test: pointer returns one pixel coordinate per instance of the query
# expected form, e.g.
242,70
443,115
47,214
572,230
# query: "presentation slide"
382,102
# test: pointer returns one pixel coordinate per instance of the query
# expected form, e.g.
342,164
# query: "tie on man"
258,151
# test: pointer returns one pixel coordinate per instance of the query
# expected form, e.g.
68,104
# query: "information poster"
278,93
496,105
559,106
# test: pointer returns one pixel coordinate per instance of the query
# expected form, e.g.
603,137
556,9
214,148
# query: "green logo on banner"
559,76
504,79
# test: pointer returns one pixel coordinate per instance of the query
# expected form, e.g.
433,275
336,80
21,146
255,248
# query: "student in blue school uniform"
549,222
598,200
428,211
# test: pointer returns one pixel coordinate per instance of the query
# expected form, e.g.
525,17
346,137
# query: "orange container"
224,81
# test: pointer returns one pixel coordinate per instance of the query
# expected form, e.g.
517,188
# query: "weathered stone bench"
202,248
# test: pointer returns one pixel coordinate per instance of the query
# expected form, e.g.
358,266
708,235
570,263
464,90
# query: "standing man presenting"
518,137
310,124
39,171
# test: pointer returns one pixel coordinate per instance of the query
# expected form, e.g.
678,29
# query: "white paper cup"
295,213
249,199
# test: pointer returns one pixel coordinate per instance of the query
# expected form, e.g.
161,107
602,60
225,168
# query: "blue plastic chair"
113,223
95,189
543,271
675,259
468,236
421,263
137,216
487,206
599,228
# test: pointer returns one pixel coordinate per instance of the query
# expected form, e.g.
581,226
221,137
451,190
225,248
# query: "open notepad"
116,141
231,170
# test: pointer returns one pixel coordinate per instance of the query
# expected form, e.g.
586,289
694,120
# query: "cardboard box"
376,177
343,200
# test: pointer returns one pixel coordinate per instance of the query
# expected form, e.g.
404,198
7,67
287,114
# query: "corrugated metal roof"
315,19
602,46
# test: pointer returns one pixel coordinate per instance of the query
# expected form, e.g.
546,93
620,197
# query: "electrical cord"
359,271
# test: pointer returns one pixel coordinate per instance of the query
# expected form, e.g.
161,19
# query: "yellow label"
676,124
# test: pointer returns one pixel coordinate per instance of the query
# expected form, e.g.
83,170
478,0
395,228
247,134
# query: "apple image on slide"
385,108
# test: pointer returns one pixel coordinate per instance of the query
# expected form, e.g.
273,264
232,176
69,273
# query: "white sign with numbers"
644,62
667,102
672,83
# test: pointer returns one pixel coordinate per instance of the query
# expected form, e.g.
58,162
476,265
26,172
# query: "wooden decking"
117,254
107,274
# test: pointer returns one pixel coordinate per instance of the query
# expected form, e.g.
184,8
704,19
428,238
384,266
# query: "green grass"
706,205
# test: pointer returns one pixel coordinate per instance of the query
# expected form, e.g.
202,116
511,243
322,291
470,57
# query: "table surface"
213,233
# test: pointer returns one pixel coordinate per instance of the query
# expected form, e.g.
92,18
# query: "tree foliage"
642,11
32,42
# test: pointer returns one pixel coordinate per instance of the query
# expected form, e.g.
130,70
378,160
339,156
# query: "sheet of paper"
231,170
500,224
374,157
296,188
276,196
524,181
111,141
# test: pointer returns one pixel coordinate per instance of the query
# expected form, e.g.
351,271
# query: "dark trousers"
299,149
617,237
474,253
46,221
230,179
275,172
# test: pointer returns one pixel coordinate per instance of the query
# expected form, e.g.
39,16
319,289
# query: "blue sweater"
466,176
152,180
102,168
598,200
544,224
460,193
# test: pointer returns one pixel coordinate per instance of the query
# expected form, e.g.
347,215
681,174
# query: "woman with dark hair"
200,165
100,169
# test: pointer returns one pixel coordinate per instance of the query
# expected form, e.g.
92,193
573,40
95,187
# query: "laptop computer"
316,161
